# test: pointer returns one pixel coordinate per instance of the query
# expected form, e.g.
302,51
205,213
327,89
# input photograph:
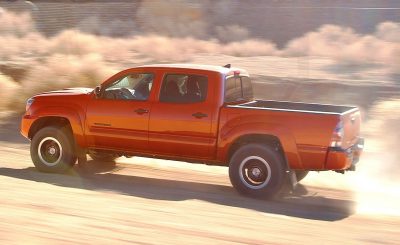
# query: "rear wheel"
52,150
257,170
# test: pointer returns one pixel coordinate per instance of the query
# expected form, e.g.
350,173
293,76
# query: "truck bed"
297,106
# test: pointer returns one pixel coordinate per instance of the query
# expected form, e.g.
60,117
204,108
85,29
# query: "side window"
238,88
247,88
135,86
233,89
181,88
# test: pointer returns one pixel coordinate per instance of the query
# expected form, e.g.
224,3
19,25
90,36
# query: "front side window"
181,88
238,88
135,86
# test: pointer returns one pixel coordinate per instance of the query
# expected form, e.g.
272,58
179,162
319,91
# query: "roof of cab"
219,69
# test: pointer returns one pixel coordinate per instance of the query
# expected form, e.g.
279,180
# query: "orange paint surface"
170,130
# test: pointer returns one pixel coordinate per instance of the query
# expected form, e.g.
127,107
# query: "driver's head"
131,79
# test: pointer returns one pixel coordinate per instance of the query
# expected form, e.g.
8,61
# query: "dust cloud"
347,47
375,183
378,177
7,88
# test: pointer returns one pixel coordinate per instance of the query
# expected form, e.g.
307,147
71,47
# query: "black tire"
301,174
103,157
271,171
52,150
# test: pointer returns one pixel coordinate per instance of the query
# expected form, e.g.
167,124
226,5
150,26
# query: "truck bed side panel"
305,137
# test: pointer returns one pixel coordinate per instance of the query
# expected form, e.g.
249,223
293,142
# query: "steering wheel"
126,94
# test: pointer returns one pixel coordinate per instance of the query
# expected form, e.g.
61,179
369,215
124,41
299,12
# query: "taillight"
338,135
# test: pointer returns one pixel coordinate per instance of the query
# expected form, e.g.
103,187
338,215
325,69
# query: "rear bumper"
344,159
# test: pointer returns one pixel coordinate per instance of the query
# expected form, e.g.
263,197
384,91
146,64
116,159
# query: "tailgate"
351,125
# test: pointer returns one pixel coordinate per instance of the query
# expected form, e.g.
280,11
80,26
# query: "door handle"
141,111
199,115
103,124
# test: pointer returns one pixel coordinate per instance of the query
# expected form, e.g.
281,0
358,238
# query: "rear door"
181,120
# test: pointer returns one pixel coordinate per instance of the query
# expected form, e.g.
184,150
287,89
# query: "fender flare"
286,138
68,113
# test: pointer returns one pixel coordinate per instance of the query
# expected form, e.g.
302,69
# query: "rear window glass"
238,88
182,88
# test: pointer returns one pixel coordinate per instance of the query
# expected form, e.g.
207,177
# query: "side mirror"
97,92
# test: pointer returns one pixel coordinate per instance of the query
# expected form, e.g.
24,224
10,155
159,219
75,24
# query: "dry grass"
74,58
8,88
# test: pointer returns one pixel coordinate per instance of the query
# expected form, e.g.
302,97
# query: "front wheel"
52,150
257,171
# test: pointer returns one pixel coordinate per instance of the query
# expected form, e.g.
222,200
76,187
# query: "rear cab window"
238,88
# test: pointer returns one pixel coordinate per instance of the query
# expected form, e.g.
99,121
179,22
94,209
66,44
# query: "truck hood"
67,91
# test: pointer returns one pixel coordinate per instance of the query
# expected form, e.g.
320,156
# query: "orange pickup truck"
193,113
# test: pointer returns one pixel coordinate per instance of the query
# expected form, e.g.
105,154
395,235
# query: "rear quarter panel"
305,137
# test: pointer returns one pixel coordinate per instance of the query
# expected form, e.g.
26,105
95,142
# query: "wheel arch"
53,117
46,121
63,115
263,133
268,139
264,139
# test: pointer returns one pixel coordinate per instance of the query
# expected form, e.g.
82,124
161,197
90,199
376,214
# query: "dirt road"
146,201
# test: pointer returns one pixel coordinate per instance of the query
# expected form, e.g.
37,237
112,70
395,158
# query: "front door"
119,119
